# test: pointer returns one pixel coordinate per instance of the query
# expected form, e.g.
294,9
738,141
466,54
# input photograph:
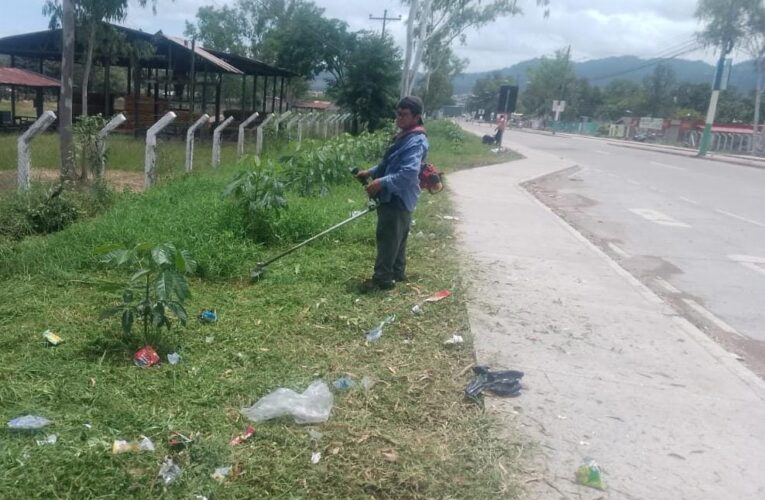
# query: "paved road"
692,230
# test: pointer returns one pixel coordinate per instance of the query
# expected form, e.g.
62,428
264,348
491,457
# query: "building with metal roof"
160,73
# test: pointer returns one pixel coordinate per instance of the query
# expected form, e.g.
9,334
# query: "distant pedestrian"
501,125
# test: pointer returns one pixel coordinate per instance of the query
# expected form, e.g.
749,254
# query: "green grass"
302,321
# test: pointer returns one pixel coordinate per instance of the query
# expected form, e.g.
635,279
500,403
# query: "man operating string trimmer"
396,185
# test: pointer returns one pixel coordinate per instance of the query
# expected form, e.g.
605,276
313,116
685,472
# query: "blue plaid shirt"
399,171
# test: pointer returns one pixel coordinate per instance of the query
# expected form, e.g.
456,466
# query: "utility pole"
384,19
67,72
725,49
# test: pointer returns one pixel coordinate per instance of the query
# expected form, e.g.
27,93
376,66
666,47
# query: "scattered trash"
416,309
209,340
501,383
311,407
174,358
438,296
51,439
169,471
120,446
588,474
420,235
367,382
450,217
315,457
343,383
376,332
52,338
179,441
87,425
432,236
28,423
456,339
221,473
248,432
208,316
146,357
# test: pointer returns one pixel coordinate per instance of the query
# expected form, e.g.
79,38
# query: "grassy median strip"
410,435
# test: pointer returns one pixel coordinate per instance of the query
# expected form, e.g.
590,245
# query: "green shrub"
157,288
260,199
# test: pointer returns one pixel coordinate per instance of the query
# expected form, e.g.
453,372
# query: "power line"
677,53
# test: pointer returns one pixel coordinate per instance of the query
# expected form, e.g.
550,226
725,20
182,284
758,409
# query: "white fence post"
216,141
280,119
150,164
259,134
291,122
242,126
101,141
24,160
190,140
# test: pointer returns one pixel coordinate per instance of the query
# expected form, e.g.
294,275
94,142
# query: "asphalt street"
693,230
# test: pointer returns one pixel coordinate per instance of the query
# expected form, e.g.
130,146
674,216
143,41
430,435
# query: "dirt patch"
118,180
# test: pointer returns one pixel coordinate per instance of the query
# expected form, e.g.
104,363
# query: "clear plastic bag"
311,407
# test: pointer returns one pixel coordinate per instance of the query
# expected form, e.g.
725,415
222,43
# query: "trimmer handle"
363,182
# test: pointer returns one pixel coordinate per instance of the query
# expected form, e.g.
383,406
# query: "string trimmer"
372,205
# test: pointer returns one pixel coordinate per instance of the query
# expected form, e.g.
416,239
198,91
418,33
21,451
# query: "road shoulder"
612,372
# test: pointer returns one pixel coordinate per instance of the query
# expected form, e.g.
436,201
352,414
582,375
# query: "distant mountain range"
602,71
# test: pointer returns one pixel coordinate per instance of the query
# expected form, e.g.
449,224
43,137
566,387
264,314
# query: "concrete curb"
687,154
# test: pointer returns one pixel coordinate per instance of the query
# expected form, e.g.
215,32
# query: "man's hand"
374,187
362,174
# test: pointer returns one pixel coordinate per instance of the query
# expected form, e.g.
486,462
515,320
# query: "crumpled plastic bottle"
311,407
375,333
169,471
28,423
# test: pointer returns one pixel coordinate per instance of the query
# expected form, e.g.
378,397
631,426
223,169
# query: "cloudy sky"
593,28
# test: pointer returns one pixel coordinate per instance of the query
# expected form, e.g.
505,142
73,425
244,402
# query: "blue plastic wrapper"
208,316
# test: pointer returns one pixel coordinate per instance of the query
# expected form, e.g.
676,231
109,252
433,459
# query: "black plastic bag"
506,383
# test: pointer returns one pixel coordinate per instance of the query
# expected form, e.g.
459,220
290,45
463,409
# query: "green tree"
485,94
659,91
436,88
370,79
620,98
693,96
442,22
553,79
219,29
91,16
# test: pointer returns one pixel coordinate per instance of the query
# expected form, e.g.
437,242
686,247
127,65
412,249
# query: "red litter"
438,296
146,357
243,437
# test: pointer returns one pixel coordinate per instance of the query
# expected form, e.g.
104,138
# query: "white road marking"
633,181
657,217
659,164
756,264
722,325
618,251
667,286
688,200
750,221
601,152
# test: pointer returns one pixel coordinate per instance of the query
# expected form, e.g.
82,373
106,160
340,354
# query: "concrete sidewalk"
612,373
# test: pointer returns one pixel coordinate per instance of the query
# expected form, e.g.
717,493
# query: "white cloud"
593,28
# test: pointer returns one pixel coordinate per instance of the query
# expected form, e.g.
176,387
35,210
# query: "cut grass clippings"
411,435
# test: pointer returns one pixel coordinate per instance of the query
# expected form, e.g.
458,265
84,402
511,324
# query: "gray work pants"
392,231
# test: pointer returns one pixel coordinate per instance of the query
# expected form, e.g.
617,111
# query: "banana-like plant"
157,288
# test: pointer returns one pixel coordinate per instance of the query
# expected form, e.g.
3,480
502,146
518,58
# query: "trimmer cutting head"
258,272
